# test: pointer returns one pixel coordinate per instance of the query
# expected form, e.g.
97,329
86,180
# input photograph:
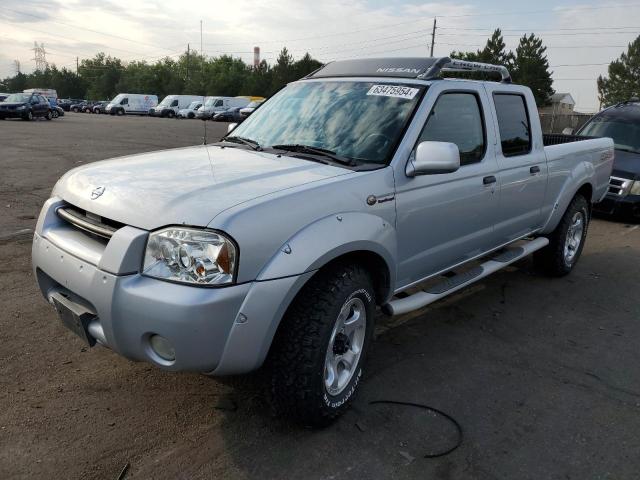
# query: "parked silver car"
339,194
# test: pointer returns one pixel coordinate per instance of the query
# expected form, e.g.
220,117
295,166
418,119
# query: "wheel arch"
563,201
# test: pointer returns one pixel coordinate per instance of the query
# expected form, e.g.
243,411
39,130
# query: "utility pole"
76,66
187,62
433,36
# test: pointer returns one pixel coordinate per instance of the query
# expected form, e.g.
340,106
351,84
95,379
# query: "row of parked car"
231,109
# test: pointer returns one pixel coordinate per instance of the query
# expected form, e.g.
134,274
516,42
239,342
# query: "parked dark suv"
25,106
622,123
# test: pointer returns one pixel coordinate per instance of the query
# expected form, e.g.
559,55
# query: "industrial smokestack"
256,57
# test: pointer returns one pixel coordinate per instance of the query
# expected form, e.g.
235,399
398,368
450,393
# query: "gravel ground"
542,374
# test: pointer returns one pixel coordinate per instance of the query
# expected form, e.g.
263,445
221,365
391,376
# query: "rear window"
513,123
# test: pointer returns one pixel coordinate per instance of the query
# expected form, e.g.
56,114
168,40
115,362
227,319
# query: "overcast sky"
586,35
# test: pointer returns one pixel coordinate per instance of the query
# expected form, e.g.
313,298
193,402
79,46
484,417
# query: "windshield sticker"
395,91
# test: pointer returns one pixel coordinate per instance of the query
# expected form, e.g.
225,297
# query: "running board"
453,284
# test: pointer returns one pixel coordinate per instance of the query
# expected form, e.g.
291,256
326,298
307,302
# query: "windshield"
166,101
624,131
211,101
117,98
357,120
18,97
193,105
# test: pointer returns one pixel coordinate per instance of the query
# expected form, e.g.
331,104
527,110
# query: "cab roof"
424,68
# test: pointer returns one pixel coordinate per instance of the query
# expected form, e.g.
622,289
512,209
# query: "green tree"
305,66
283,71
531,68
624,77
494,52
102,74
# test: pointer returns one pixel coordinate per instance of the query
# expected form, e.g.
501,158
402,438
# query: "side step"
455,283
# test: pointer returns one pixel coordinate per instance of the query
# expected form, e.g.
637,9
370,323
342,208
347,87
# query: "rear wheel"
317,357
49,115
567,240
54,113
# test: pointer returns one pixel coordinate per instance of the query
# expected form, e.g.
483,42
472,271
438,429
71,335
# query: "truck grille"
88,222
619,186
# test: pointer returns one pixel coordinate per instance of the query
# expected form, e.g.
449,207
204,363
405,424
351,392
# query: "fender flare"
329,238
579,177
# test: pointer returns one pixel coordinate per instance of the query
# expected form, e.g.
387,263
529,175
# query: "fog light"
162,348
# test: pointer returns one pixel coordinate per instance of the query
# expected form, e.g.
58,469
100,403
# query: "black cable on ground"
436,411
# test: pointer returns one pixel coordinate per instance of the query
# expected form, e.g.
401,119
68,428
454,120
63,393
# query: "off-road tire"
296,363
551,260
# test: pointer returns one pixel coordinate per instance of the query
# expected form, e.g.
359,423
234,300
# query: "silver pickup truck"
369,183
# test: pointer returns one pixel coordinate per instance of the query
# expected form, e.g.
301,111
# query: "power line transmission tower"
40,56
16,66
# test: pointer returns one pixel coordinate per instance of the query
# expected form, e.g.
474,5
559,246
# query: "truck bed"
559,138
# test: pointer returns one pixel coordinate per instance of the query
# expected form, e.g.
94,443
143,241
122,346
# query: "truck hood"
183,186
626,165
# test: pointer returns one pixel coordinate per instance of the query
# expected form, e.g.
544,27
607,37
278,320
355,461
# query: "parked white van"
215,105
172,104
131,103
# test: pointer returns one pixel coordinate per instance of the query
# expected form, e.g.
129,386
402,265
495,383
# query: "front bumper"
617,206
212,330
13,113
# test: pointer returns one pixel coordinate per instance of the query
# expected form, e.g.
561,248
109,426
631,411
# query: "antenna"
204,120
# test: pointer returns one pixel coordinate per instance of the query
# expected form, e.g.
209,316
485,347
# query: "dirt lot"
543,375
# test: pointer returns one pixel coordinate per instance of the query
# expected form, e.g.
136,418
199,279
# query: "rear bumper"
624,207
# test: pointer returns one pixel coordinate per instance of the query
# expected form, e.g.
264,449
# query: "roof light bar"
446,64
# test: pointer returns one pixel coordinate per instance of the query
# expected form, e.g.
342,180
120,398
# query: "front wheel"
49,115
54,113
567,240
120,112
316,361
29,116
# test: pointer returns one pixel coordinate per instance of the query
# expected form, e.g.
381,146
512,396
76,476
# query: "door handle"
489,180
534,170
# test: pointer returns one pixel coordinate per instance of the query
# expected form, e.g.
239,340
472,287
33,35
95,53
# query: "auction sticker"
395,91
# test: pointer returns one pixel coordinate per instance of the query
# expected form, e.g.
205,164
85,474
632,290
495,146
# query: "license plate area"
75,317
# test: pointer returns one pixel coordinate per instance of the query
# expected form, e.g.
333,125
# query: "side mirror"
567,131
231,127
433,157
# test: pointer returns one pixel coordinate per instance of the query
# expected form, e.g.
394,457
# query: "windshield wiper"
323,152
244,141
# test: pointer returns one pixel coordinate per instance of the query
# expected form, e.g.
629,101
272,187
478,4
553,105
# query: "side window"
218,103
174,103
125,101
456,118
513,123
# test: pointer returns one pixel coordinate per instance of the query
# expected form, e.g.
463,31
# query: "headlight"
189,255
635,188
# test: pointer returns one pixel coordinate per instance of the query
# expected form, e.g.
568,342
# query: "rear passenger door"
523,169
445,219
